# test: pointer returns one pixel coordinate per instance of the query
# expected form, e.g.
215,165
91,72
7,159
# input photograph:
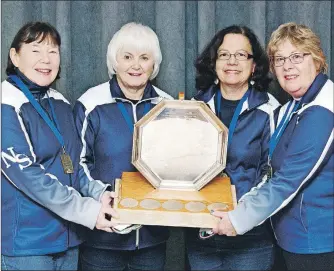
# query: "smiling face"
295,79
39,62
134,68
233,72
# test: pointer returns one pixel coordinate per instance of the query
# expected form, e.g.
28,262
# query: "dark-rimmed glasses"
239,55
295,58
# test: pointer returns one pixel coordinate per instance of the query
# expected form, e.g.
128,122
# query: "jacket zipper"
271,222
134,111
134,106
137,238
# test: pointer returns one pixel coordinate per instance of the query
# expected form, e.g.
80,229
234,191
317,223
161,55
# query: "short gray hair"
141,37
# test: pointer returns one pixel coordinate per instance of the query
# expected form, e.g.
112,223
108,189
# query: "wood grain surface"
133,185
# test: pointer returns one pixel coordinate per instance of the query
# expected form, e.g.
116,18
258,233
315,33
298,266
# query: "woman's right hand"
104,221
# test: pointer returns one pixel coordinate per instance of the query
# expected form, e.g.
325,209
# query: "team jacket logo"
12,157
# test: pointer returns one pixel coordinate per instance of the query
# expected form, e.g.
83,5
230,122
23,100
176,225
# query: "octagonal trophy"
179,148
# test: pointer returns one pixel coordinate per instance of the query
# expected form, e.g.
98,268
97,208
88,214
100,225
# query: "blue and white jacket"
107,151
37,197
247,154
300,195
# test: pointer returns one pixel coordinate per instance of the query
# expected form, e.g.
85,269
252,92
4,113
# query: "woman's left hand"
224,227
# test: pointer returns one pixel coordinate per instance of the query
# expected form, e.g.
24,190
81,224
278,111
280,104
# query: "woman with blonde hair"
299,197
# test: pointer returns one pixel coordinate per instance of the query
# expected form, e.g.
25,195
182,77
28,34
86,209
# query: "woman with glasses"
232,78
299,197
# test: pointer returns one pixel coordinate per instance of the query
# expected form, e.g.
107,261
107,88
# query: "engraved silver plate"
172,205
180,145
129,202
150,204
218,206
195,206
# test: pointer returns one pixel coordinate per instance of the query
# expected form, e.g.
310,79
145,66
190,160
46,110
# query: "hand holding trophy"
179,148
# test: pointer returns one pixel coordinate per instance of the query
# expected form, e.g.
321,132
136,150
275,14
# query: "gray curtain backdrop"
183,28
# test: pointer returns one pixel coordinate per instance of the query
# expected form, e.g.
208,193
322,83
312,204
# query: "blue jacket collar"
255,98
116,91
37,90
319,81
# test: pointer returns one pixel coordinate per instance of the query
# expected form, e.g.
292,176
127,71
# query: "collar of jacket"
117,93
36,90
319,81
255,98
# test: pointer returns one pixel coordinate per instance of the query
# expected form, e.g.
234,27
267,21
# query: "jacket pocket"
302,213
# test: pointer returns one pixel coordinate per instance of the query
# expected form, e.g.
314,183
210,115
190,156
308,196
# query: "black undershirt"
132,101
227,109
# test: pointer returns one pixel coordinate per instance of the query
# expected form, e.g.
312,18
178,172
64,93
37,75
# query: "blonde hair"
300,36
137,35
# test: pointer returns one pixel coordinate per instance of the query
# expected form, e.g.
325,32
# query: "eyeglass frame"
288,57
249,56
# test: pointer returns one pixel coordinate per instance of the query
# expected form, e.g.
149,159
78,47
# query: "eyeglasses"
294,59
239,55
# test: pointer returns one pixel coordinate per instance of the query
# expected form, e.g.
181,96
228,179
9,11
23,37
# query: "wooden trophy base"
138,202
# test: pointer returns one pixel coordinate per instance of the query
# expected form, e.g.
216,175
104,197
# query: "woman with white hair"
105,115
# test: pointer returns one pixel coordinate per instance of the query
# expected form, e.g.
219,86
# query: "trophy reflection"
179,148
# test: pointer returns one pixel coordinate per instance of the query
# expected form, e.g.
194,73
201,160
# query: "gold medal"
66,162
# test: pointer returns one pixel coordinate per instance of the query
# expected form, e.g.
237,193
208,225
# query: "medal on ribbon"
269,172
64,157
66,163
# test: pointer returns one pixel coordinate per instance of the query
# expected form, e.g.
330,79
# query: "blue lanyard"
126,115
40,110
281,127
237,111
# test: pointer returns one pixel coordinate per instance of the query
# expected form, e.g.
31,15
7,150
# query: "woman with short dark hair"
232,78
40,157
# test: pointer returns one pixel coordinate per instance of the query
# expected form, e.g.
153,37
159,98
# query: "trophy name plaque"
179,148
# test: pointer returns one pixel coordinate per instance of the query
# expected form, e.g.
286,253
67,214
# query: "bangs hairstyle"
301,37
138,36
205,64
30,32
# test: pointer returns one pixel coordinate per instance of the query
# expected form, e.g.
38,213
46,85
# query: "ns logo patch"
11,157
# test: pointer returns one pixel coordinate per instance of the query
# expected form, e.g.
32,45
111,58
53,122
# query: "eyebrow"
225,50
52,45
293,52
144,54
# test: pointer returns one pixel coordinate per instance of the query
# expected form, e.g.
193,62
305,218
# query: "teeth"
290,76
43,70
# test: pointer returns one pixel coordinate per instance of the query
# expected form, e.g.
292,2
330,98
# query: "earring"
216,81
252,82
